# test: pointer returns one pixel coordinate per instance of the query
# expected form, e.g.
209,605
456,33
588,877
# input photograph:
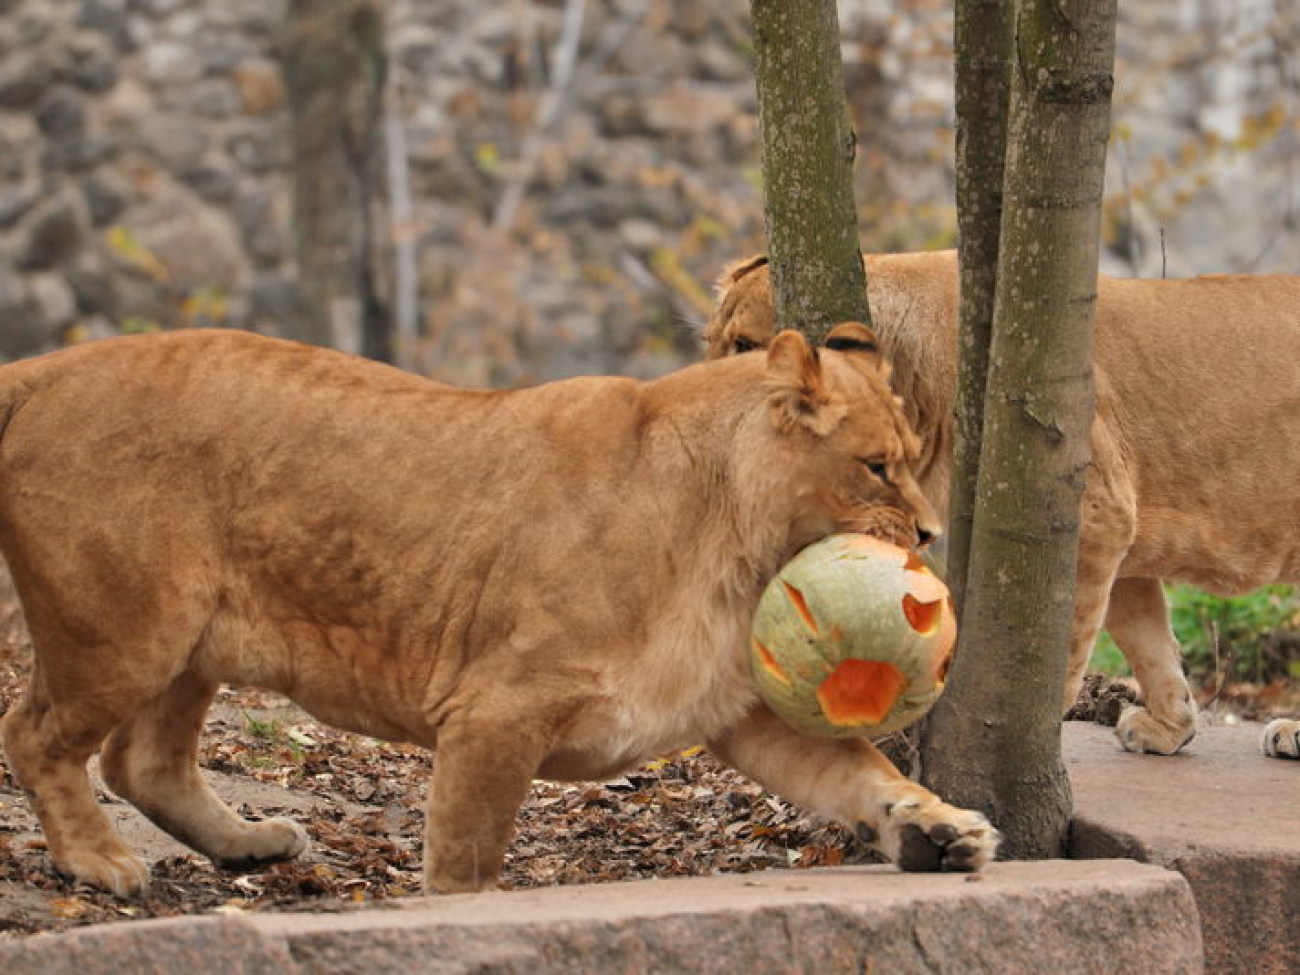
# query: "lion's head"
913,301
835,441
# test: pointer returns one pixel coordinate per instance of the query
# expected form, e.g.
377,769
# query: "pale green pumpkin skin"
853,588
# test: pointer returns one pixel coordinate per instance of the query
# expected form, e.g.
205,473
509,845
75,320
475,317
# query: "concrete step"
1221,814
1207,879
1061,917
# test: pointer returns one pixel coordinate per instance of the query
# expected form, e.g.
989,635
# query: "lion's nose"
924,537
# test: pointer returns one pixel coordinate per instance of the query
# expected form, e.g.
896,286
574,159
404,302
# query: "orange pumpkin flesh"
801,607
923,617
860,692
768,661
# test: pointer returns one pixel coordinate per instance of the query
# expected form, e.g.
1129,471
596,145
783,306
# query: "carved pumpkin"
852,638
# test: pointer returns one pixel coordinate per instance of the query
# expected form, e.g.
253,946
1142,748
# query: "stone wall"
144,167
537,227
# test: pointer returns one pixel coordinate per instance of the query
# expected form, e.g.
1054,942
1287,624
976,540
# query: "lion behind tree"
1195,444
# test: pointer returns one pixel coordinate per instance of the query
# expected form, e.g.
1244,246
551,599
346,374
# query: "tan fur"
555,581
1195,446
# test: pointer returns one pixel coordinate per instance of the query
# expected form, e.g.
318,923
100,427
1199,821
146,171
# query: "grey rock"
34,309
93,286
211,98
265,237
156,8
13,293
221,56
108,19
53,300
14,153
608,206
89,60
216,184
197,245
174,141
273,300
722,62
171,63
34,23
62,113
21,333
78,154
254,16
24,77
258,146
15,203
51,235
106,197
186,24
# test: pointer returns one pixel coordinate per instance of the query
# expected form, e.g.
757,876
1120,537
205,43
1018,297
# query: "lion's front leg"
849,780
1281,738
483,765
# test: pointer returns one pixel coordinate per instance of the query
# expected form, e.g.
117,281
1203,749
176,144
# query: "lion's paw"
113,868
267,841
1281,738
1140,731
929,836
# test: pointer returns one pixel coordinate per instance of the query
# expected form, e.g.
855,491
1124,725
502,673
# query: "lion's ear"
852,337
798,393
736,270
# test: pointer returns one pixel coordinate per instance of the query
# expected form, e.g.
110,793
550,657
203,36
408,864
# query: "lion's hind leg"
152,761
47,743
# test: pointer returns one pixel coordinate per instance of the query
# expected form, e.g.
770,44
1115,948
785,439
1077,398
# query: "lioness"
1195,466
555,581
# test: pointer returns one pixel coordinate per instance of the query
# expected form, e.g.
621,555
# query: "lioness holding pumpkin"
554,581
1195,471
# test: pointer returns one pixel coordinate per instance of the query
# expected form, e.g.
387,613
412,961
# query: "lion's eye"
879,468
744,345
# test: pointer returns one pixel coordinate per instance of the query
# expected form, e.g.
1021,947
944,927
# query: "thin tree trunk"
983,37
334,73
1001,719
808,151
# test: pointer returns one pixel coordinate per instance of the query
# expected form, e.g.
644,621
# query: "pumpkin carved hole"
801,607
769,663
860,692
923,617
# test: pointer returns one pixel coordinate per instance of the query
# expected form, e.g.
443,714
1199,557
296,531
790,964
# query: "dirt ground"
360,800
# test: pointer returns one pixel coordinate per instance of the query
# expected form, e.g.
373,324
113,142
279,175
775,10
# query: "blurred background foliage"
1253,638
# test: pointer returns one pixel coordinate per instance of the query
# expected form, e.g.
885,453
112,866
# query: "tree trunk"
983,39
996,739
334,74
808,150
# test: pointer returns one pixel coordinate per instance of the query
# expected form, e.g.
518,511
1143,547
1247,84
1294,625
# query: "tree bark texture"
808,152
1000,721
983,38
334,75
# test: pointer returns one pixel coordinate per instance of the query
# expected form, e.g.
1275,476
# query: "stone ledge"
1051,916
1219,813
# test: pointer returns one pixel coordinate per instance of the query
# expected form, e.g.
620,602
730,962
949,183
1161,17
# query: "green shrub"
1252,637
1255,637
